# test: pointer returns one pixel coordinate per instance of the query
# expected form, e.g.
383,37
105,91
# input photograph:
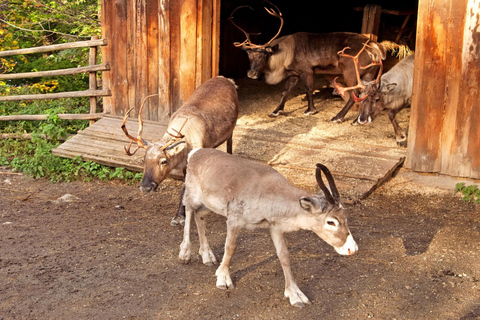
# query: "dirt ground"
110,252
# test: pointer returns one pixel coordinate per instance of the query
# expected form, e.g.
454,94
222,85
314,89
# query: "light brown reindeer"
253,195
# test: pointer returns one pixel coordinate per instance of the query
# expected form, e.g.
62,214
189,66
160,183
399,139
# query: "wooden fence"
92,69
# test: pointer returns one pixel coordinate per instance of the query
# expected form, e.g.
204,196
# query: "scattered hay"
401,51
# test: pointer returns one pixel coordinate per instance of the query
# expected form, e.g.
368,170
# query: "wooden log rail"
92,69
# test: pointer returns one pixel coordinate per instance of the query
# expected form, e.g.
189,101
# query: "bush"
470,193
34,157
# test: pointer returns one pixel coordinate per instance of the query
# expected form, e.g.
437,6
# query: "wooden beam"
92,78
63,116
55,47
52,73
371,20
69,94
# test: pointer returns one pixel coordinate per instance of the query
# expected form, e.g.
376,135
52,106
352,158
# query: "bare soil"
110,252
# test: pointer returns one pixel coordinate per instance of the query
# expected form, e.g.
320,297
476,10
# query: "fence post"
92,60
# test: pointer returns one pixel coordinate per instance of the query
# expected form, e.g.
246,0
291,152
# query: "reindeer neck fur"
192,130
280,60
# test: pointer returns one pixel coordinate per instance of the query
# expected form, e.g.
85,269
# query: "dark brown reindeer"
206,120
300,55
392,91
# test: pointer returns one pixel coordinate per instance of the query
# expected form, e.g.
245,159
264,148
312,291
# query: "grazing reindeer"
253,195
205,120
300,55
393,91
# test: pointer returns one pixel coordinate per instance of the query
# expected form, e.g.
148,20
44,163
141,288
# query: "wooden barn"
169,47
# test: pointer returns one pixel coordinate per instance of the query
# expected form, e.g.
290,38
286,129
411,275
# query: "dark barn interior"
306,16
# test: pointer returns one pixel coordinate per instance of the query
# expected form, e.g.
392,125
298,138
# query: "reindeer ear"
146,142
312,205
175,148
387,87
272,49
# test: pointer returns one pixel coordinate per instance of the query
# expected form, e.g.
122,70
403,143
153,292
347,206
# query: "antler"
138,139
341,90
247,43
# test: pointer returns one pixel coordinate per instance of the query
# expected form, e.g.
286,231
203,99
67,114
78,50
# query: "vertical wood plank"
452,84
131,54
207,40
215,37
152,13
199,38
188,48
204,42
139,60
175,48
119,57
465,157
428,100
164,62
371,20
106,20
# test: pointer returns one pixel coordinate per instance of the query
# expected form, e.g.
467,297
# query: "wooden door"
444,134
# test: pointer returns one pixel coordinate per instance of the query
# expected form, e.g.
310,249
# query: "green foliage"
31,23
470,193
41,22
34,157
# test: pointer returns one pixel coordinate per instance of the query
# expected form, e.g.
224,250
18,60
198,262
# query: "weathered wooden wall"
444,134
165,47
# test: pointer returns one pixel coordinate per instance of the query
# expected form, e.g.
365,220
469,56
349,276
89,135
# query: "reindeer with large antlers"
206,120
300,55
392,91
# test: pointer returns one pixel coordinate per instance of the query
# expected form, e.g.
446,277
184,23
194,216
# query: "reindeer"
253,195
300,55
392,90
206,120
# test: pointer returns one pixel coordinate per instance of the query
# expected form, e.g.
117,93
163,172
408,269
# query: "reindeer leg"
186,245
296,296
208,258
230,145
307,78
289,85
180,216
223,272
339,117
400,134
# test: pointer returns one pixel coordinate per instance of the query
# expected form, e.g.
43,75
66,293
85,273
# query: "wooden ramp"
358,168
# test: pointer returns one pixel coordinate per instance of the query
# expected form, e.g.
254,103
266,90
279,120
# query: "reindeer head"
332,224
373,100
160,157
258,55
371,95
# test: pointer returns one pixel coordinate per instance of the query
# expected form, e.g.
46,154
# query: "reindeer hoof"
275,114
336,120
310,112
177,220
